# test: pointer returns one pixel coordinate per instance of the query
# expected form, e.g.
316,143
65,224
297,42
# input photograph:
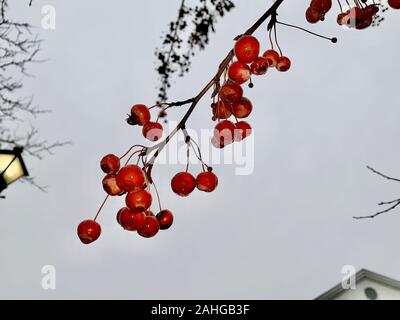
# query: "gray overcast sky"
283,232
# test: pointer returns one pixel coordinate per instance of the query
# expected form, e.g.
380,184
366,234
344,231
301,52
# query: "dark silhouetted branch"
393,204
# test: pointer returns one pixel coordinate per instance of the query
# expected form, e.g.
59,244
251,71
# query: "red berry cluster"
183,183
131,181
317,10
231,101
140,115
360,16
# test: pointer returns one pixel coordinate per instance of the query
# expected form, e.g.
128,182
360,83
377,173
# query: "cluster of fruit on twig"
135,181
129,180
360,16
231,101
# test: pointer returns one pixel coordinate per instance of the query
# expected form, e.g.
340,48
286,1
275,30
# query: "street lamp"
12,167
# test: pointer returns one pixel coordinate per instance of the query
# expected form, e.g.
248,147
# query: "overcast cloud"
284,231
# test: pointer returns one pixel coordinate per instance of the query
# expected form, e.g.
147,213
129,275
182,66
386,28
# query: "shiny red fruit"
341,18
259,67
88,231
312,15
247,49
353,17
283,64
216,143
242,109
395,4
365,22
224,132
131,178
242,130
221,110
140,114
131,220
110,163
322,6
207,181
372,9
239,72
183,184
150,228
272,57
110,185
153,131
231,93
165,219
139,200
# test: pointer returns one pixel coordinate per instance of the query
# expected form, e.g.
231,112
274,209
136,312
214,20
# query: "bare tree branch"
382,175
19,47
393,204
179,45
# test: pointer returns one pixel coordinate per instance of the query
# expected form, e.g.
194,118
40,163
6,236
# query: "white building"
368,286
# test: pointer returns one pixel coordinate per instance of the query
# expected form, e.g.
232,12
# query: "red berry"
224,132
131,178
341,18
152,131
353,17
150,228
131,220
140,114
165,219
247,49
216,143
242,131
110,185
110,163
183,184
221,110
312,15
231,93
395,4
239,72
365,22
283,64
259,66
272,57
207,181
89,231
321,6
139,200
372,9
242,109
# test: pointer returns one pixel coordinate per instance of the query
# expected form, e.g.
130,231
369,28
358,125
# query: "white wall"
384,292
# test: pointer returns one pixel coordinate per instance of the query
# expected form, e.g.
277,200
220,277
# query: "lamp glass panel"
14,171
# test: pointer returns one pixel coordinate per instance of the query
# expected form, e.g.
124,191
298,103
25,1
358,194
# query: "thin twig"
382,175
394,206
393,203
